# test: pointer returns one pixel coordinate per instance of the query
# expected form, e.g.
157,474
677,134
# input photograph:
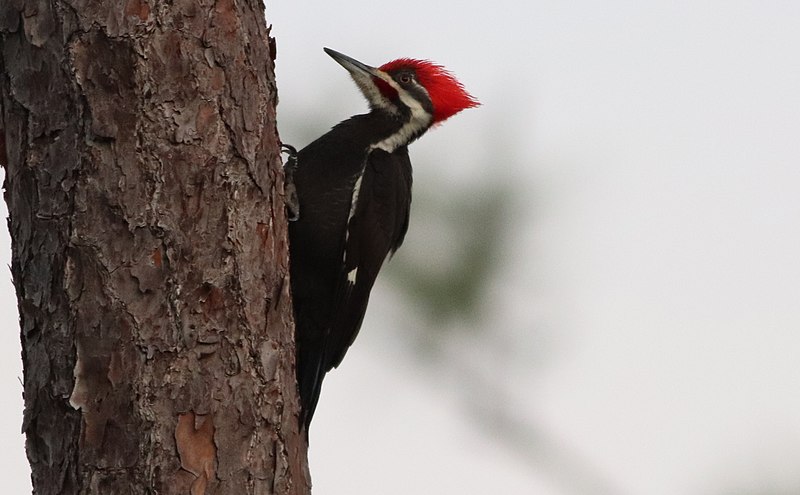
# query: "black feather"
325,247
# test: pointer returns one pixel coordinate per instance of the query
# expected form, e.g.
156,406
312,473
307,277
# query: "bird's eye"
405,78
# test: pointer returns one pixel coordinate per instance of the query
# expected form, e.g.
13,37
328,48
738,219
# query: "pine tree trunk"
150,254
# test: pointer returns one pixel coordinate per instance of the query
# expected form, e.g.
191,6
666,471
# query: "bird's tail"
310,373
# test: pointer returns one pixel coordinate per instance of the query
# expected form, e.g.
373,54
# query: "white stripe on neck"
420,120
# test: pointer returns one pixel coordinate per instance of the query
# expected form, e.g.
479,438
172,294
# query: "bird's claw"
290,191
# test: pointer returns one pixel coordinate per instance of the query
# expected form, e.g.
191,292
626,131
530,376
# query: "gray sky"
655,256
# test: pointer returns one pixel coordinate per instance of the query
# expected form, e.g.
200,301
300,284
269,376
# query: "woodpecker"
353,195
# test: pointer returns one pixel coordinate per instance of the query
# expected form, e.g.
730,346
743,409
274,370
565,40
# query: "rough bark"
149,247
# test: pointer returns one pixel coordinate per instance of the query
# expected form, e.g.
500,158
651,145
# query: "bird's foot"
290,198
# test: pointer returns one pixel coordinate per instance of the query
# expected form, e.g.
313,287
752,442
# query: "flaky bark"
149,247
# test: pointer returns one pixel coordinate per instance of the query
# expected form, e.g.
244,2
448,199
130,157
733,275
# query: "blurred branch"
457,248
471,229
495,414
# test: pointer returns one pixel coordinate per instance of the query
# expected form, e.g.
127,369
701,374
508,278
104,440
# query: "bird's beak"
368,79
353,66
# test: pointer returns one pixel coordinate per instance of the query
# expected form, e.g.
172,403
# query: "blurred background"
600,289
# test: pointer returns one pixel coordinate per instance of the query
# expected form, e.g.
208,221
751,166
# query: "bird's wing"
378,226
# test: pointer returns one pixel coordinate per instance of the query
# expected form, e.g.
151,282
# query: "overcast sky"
654,252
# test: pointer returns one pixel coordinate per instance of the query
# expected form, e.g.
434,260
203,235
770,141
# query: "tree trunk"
149,247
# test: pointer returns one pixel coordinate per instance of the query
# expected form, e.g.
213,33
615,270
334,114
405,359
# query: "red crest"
447,94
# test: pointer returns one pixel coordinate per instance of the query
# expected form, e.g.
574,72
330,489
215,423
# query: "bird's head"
413,90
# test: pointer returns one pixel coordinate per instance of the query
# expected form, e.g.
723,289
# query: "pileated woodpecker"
354,190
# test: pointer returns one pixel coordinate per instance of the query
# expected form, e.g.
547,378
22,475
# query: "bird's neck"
404,128
371,131
380,130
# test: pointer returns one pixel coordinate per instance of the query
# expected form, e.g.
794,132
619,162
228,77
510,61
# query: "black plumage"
353,195
329,306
